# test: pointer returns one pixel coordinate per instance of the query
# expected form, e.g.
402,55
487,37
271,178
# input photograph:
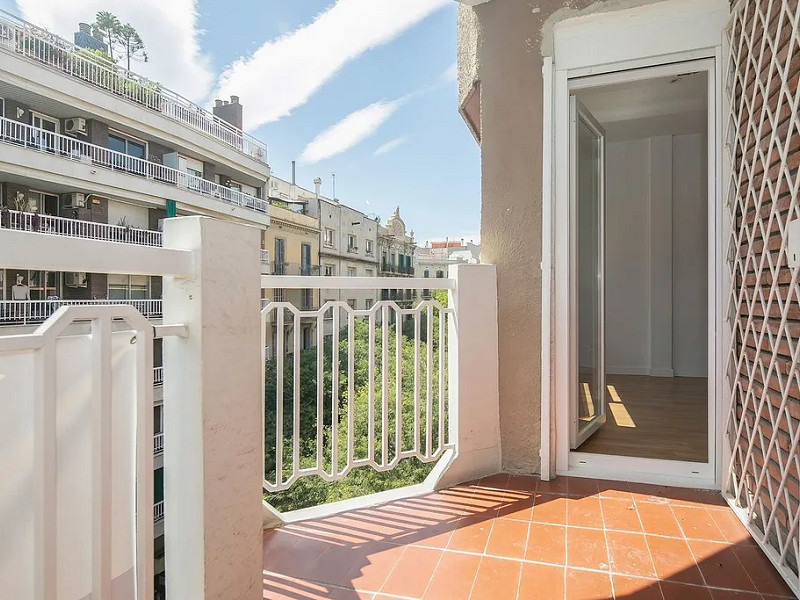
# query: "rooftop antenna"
333,178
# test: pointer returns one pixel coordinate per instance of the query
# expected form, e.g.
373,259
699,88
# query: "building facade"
90,150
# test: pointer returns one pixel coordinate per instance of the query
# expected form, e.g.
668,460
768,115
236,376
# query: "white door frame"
610,46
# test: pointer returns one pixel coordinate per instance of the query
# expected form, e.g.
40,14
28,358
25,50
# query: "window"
136,149
45,137
305,259
352,271
439,274
369,247
280,257
328,270
427,273
368,303
394,259
308,338
128,287
39,202
369,273
352,242
328,238
277,295
308,299
158,419
352,303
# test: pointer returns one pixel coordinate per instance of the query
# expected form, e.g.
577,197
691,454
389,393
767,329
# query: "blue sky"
382,70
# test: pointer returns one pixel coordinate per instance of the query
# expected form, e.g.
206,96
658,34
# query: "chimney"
230,112
317,185
294,174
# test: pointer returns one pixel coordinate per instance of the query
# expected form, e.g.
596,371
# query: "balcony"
35,44
425,393
27,312
158,376
67,148
158,443
41,223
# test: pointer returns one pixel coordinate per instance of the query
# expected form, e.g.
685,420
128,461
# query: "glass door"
587,192
44,134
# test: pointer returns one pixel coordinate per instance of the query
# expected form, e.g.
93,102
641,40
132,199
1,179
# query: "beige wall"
499,45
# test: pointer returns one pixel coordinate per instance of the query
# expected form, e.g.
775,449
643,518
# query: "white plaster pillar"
473,392
213,461
661,256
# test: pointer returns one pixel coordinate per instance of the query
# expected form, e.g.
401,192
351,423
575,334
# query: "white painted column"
213,462
661,256
473,392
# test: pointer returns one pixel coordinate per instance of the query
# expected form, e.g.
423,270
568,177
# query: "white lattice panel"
762,136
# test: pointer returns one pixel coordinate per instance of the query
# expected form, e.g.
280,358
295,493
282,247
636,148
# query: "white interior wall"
133,215
656,256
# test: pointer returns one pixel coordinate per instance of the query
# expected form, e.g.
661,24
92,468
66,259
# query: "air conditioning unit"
75,200
75,125
75,280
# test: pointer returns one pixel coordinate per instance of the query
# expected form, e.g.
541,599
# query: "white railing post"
213,414
473,389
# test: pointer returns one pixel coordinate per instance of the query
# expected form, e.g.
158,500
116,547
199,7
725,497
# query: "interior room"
652,234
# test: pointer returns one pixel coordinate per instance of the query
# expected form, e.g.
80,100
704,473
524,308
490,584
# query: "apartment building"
91,150
397,250
348,247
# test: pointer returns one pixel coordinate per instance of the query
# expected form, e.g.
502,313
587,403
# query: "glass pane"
116,143
589,257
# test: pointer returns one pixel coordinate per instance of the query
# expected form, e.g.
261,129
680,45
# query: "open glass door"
587,192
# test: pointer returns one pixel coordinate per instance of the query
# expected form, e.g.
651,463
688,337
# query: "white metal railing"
158,511
23,312
158,376
158,443
40,223
264,257
379,407
34,43
33,138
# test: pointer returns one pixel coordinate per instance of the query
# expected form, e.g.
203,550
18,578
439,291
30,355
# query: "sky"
365,89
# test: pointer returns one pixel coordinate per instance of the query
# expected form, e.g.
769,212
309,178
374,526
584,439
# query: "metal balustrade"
41,223
24,312
264,257
158,511
33,138
158,443
20,37
158,376
365,405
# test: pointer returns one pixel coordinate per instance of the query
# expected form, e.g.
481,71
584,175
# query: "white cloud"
451,74
284,73
390,145
167,27
348,132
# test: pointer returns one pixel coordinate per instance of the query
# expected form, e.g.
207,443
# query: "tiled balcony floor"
518,538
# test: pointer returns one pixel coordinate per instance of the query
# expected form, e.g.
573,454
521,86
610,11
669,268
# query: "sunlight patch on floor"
621,415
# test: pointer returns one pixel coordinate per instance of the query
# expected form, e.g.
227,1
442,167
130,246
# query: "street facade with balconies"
398,257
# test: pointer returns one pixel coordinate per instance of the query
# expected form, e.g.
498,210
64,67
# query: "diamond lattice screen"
763,138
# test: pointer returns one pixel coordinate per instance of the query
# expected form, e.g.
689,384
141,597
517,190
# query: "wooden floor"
654,417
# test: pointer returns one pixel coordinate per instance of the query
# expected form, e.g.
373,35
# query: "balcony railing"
264,257
158,376
158,511
33,138
40,223
39,45
158,443
24,312
390,268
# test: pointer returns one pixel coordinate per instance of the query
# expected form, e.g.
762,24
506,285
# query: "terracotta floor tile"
585,512
588,585
614,489
522,483
508,539
497,481
673,560
582,486
379,561
517,509
292,555
733,530
453,577
542,582
471,535
557,485
586,549
635,588
731,595
696,523
412,572
646,492
761,572
681,591
497,578
629,554
658,519
692,497
345,594
621,515
547,543
292,588
548,508
335,565
720,566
